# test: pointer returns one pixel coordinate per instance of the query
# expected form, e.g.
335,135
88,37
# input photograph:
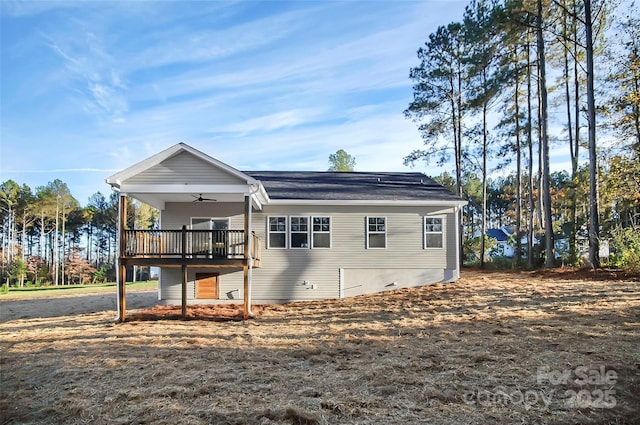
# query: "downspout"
118,233
254,189
250,259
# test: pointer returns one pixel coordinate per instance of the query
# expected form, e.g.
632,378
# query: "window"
299,232
277,232
433,232
376,232
209,235
321,232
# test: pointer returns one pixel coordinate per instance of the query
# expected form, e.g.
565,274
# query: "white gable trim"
117,179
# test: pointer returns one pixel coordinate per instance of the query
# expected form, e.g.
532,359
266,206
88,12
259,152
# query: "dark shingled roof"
347,186
497,234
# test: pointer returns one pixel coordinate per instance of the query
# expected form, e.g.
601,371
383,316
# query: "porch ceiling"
158,200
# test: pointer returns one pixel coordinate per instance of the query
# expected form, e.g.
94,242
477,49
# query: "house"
270,237
503,246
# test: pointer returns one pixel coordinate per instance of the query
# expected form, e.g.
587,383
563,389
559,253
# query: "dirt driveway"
72,305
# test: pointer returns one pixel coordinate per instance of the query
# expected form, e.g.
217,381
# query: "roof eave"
376,202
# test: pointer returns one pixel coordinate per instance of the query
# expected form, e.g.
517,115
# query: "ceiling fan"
199,198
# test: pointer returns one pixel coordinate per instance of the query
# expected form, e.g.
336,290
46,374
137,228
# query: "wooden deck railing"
186,243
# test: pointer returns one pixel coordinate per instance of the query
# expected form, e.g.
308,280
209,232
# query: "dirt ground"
495,347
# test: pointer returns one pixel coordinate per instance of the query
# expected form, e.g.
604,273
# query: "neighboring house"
503,247
268,236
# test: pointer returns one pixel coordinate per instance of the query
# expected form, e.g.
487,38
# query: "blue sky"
89,88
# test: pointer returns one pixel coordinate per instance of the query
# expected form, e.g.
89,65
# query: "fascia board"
426,203
186,188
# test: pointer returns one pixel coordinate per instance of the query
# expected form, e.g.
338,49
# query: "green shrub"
4,289
625,244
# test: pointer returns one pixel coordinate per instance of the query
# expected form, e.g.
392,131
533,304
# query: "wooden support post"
184,291
122,294
122,275
247,307
184,272
245,263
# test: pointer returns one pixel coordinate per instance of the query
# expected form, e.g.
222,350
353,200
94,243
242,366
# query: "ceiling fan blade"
199,198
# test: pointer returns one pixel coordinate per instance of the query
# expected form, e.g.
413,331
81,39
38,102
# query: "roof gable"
180,164
185,168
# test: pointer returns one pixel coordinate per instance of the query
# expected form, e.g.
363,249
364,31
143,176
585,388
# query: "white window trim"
291,232
269,232
386,224
443,232
330,232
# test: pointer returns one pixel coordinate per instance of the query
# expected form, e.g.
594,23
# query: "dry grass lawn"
495,347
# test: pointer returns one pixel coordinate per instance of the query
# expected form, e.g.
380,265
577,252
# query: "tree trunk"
530,165
484,185
459,163
64,219
517,255
594,243
573,155
546,186
56,242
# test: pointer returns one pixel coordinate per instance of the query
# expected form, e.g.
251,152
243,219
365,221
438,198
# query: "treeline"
48,238
487,91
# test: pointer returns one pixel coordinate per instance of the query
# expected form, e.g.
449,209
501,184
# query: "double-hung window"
299,232
277,232
433,232
321,232
376,232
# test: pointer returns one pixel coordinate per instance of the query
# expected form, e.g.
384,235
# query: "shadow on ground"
72,305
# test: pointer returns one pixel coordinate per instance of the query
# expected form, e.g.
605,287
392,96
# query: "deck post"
122,295
122,270
184,272
245,262
184,291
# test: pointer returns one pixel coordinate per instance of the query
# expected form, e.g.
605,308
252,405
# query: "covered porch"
185,248
192,192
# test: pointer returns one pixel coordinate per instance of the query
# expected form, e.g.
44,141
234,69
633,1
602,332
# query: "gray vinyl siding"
230,283
185,168
175,215
283,272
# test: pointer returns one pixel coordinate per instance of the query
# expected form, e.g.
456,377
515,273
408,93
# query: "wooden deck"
204,248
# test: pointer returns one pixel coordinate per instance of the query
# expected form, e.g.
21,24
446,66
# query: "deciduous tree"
341,161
